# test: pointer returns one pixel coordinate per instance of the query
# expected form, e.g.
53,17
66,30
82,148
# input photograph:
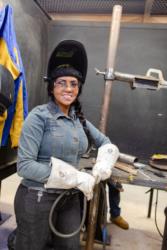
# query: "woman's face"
65,91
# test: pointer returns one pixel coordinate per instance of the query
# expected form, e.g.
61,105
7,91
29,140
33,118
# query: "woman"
52,142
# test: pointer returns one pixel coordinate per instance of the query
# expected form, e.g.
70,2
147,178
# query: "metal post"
150,202
164,242
112,49
113,43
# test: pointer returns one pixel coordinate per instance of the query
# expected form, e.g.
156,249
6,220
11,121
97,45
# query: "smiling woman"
52,142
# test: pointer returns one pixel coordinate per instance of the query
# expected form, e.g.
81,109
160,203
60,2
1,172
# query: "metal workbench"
146,177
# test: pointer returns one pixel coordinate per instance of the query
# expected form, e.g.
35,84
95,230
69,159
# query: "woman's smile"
67,96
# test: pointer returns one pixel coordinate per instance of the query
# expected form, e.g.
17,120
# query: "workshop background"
138,118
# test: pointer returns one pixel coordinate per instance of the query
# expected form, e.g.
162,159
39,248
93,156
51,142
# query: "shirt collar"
55,110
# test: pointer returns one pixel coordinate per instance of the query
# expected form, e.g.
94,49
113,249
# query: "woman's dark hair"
78,109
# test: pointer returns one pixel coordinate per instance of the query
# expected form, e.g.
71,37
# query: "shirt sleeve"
32,133
98,137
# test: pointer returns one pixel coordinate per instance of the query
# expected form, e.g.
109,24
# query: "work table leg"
164,242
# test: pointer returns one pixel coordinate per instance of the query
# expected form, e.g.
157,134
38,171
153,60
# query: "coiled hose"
52,227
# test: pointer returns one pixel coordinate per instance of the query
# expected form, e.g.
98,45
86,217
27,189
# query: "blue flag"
11,123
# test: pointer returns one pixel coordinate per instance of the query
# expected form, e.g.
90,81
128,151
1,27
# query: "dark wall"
138,118
31,32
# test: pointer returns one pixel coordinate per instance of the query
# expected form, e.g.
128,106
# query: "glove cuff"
62,176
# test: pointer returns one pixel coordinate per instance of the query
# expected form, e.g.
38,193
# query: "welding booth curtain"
12,120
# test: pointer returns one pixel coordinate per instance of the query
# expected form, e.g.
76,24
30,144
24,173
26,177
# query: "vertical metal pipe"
92,219
112,49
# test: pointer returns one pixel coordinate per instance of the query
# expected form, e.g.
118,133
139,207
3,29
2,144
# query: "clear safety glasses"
74,84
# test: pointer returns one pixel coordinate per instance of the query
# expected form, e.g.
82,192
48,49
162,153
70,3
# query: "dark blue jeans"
114,200
33,231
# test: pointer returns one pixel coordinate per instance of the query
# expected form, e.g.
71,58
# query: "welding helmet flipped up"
68,53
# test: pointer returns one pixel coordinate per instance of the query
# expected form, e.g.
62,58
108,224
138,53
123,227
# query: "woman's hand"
65,176
86,184
106,159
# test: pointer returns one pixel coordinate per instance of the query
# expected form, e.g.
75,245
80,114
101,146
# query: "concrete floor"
142,234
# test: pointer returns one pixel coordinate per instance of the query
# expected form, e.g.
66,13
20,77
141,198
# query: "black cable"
104,212
156,205
54,230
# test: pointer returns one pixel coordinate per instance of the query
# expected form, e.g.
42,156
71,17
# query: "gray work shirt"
49,132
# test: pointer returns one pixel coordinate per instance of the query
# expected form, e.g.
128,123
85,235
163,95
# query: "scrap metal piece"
145,175
130,159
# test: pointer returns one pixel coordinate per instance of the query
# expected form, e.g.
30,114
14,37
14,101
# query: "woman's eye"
61,83
74,84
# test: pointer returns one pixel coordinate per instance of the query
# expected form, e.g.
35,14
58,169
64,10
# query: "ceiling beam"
42,9
107,18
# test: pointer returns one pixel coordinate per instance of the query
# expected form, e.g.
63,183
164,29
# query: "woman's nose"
68,87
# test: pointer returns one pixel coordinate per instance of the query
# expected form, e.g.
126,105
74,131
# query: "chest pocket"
55,137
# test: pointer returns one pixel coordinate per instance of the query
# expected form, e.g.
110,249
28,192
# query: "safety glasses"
63,84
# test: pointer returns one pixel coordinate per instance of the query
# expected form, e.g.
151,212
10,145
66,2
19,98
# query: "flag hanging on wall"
11,122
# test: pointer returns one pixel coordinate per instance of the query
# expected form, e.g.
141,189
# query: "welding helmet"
68,58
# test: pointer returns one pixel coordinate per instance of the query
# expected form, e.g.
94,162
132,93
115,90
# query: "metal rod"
145,175
113,43
130,159
150,203
124,77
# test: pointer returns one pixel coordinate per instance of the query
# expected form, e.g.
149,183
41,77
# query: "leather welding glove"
106,158
65,176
